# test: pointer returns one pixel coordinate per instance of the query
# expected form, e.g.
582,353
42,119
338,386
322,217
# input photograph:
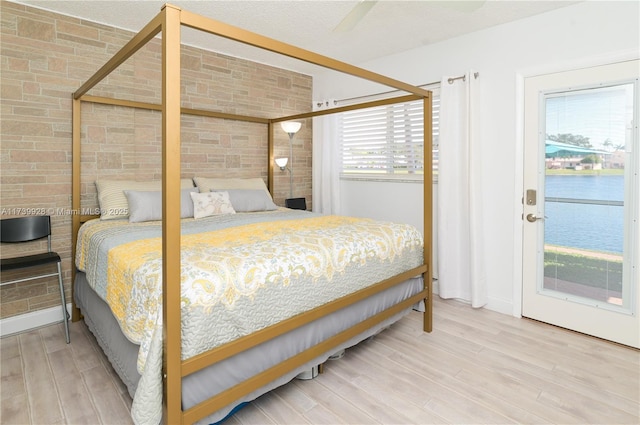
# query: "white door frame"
518,223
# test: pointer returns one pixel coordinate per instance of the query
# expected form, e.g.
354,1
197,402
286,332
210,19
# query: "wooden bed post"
171,281
75,198
427,214
139,40
271,159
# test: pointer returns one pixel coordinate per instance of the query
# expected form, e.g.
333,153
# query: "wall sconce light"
282,163
291,128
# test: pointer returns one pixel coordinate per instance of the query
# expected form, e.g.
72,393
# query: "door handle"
532,218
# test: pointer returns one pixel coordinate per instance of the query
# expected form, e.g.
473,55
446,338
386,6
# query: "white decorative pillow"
113,203
211,203
206,184
147,206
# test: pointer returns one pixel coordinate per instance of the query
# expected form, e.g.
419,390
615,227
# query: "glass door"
581,201
584,193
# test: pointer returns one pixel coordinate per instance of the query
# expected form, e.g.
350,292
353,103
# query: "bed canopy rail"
168,23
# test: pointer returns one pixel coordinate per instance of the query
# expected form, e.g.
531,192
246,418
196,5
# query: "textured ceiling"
389,27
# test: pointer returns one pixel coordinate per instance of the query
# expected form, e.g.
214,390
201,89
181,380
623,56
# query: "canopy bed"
176,361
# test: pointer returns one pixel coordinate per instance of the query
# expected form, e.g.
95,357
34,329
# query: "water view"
580,225
584,235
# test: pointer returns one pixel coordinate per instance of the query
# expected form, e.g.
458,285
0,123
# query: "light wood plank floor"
476,367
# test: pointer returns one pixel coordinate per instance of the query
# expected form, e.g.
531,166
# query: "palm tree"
570,139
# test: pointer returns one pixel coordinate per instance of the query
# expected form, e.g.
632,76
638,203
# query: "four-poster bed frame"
168,22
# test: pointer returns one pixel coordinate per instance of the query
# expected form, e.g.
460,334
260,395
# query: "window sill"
385,178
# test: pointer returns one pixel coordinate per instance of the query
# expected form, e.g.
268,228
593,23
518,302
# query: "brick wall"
47,56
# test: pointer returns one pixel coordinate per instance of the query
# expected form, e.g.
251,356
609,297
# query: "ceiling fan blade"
352,18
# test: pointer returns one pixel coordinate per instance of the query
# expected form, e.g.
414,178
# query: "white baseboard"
500,306
494,304
35,319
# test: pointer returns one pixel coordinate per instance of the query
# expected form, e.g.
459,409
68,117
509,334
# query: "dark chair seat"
16,263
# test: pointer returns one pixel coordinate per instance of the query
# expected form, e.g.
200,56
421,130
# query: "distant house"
563,155
616,159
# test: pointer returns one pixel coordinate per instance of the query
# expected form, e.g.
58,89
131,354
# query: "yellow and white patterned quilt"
239,273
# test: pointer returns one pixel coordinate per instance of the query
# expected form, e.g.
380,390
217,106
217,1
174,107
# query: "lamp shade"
282,162
291,126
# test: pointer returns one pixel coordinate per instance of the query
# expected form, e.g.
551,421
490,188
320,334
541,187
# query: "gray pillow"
249,200
147,205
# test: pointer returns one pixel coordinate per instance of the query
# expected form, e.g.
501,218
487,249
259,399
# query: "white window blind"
386,141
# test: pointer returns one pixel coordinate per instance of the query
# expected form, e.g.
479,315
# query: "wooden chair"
27,229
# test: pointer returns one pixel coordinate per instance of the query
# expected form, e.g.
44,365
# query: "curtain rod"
462,77
450,81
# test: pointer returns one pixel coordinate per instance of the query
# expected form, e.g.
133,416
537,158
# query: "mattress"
240,273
